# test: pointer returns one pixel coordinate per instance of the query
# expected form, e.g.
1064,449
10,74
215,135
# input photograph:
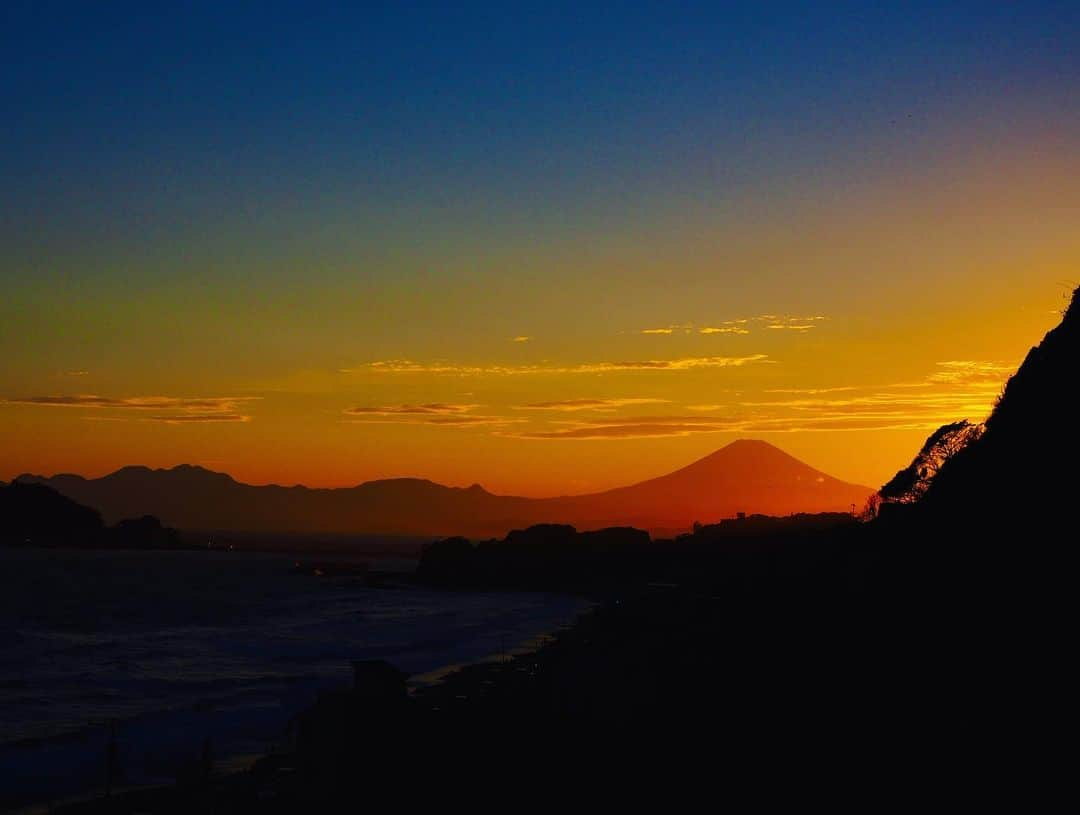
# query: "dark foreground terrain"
765,653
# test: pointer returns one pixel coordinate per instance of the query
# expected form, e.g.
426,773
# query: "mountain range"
745,476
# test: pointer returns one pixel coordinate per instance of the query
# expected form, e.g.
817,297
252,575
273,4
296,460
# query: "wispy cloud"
961,393
723,329
464,421
811,391
183,409
216,403
405,366
685,426
438,421
785,322
618,431
683,364
521,338
684,328
198,418
946,404
573,405
966,371
75,372
743,325
653,420
429,409
434,421
432,413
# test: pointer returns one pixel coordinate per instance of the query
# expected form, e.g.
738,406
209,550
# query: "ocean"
175,651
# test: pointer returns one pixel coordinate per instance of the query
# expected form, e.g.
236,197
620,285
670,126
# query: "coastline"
232,670
235,773
233,768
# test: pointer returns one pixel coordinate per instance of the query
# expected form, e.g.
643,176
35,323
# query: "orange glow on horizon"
842,331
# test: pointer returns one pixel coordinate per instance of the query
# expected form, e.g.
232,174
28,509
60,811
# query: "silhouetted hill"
745,476
37,515
1022,471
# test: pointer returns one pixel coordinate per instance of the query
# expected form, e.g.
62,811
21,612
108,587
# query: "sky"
544,247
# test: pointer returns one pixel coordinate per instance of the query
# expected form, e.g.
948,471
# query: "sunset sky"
546,247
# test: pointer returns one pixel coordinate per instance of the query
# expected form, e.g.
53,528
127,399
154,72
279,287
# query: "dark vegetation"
35,515
911,483
557,557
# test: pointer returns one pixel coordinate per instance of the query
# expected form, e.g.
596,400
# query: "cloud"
571,405
408,366
75,372
931,408
934,400
216,404
520,338
185,410
956,389
432,413
655,420
812,410
470,420
436,421
966,371
812,391
684,364
198,418
723,329
784,322
742,325
685,426
405,366
429,409
787,318
619,431
686,328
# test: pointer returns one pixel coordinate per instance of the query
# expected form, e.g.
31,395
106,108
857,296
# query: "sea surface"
179,652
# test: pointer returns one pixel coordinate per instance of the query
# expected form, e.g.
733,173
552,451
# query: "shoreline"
230,767
236,771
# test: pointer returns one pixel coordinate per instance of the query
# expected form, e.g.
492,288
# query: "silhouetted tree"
912,482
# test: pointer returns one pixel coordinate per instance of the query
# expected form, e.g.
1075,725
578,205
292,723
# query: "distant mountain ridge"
745,476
